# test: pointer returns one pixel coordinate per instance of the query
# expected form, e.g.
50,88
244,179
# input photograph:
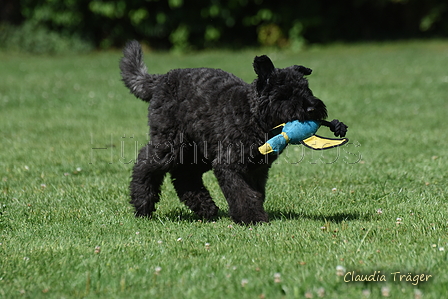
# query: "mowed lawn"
368,210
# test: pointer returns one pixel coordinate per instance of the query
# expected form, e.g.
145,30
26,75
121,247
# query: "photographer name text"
377,276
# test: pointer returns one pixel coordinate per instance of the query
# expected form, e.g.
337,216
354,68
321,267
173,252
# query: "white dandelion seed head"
366,293
340,270
277,277
418,294
321,292
385,291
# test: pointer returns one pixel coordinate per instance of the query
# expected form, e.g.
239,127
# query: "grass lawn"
69,133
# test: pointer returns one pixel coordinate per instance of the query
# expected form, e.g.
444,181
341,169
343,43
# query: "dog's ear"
263,67
304,70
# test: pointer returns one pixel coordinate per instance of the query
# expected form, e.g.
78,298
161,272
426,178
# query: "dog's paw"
338,128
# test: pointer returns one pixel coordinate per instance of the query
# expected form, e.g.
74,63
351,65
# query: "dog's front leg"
245,201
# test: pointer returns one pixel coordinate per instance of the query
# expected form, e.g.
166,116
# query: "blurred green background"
43,26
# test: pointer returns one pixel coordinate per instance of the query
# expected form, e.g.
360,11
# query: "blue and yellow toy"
297,132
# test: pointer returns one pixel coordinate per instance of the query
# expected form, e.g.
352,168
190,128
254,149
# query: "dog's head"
284,95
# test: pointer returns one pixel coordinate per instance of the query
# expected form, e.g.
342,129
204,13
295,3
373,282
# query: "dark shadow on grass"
335,218
184,215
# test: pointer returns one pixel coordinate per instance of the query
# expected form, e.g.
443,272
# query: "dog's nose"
310,109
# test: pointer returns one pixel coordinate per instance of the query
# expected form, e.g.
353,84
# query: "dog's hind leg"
244,194
147,178
187,181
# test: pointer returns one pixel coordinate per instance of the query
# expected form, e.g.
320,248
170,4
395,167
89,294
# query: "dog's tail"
134,72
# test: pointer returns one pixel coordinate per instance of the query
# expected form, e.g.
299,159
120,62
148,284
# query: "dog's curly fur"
202,119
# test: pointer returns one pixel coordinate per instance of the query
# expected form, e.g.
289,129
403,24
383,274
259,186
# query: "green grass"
60,200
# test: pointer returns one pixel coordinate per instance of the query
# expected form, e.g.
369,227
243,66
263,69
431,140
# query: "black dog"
202,119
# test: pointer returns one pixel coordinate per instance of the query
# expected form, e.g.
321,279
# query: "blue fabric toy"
297,132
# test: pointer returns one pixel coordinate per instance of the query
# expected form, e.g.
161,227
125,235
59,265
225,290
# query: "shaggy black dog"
202,119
